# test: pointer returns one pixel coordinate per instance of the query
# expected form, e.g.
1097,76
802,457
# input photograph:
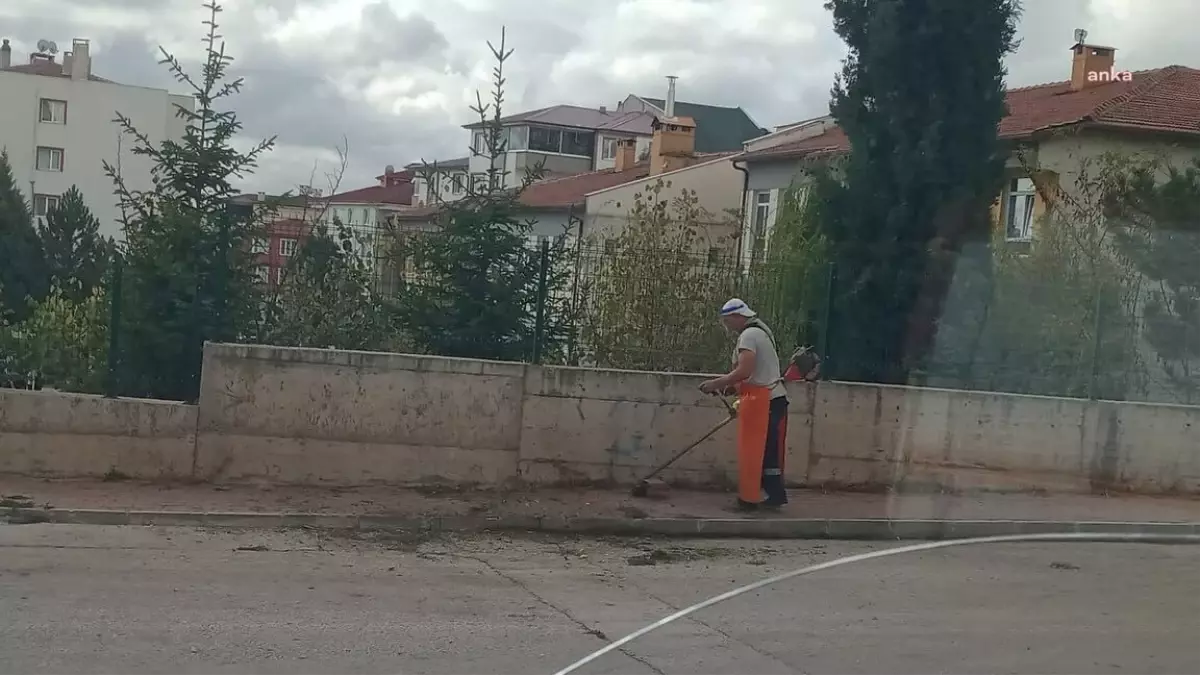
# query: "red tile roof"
569,190
401,194
1166,99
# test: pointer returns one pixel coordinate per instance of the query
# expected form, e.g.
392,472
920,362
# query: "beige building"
673,168
1054,127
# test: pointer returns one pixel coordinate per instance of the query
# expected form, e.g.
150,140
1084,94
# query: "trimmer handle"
731,407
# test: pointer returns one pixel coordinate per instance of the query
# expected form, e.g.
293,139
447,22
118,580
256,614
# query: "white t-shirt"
766,360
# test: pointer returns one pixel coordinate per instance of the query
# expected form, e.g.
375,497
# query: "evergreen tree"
188,273
22,266
76,253
920,96
478,283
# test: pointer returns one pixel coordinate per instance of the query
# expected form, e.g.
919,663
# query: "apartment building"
441,181
565,140
568,140
56,123
287,220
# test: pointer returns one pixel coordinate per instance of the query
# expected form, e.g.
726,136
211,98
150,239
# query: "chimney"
673,145
669,110
81,61
5,55
626,154
1090,64
604,109
68,60
262,196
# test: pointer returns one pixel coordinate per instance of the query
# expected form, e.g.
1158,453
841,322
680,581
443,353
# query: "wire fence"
657,310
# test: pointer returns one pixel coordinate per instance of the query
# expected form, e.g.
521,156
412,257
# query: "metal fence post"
539,329
112,384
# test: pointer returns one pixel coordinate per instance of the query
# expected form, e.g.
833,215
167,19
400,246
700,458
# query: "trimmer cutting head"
654,488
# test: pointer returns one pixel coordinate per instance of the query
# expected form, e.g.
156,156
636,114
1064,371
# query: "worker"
762,408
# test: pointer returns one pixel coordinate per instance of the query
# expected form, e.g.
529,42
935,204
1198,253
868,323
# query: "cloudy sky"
396,77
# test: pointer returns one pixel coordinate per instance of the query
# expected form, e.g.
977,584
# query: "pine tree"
920,96
76,253
479,283
22,266
188,274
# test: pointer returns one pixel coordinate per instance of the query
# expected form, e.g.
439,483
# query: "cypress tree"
919,96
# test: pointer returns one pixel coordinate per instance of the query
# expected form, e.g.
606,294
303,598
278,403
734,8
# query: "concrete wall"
53,435
315,416
322,417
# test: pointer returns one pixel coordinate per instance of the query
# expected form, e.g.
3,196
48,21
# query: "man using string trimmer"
762,408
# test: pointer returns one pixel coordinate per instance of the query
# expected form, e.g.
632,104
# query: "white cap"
738,307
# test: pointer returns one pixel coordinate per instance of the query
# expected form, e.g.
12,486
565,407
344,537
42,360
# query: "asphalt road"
152,600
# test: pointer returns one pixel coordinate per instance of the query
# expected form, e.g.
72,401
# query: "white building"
56,123
442,181
366,211
568,140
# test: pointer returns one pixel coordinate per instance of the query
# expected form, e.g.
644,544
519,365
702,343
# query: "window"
479,181
49,159
366,217
761,221
1018,216
518,138
544,139
262,274
582,143
287,247
44,204
52,111
456,183
608,148
762,212
480,143
259,246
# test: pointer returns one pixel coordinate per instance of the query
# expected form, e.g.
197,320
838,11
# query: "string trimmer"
648,484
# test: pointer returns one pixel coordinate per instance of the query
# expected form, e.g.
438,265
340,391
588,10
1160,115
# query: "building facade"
56,124
569,140
443,181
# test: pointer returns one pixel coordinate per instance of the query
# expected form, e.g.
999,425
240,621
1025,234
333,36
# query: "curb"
745,528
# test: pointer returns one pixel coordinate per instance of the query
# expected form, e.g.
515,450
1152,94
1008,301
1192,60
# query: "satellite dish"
47,47
1080,35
